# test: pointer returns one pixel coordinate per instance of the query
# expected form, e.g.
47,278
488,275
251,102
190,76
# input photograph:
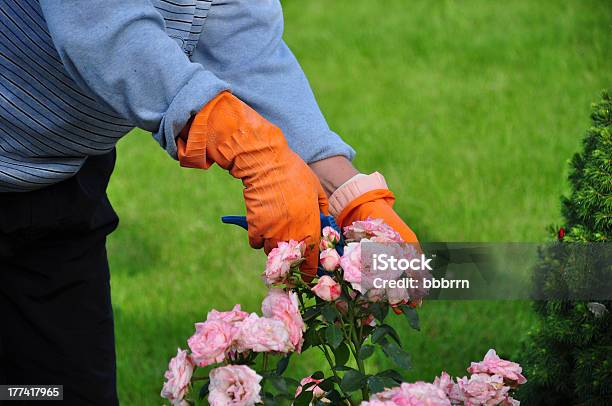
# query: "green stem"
357,344
301,300
361,332
331,365
344,333
265,362
347,338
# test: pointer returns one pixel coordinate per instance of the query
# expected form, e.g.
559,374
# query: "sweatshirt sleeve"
242,43
118,50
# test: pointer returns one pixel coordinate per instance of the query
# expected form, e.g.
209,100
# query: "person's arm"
242,44
118,50
333,172
354,196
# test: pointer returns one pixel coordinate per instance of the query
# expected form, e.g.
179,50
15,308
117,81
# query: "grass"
470,109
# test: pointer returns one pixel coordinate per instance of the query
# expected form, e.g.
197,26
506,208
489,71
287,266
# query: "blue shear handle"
236,220
326,221
242,222
329,221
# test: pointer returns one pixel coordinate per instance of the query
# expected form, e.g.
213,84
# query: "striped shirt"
74,79
48,124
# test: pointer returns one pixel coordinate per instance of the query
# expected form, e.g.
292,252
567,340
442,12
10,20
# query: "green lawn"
470,109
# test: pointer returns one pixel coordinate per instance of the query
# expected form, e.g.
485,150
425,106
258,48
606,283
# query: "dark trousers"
56,320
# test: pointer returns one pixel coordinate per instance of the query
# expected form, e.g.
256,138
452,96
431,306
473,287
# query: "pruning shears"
241,221
326,221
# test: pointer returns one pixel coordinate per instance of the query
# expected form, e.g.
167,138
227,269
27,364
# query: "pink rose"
386,395
397,296
281,259
375,229
262,334
317,392
211,341
329,238
493,365
375,402
452,390
418,293
483,389
413,394
421,393
330,259
283,306
236,385
233,316
351,265
178,377
327,289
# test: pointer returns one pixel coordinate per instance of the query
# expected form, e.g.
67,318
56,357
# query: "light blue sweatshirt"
76,76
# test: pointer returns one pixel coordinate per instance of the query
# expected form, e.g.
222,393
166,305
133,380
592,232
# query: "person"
213,82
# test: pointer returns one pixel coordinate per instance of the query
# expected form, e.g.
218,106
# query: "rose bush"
339,314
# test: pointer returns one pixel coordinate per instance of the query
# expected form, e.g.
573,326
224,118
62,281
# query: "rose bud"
330,259
330,236
327,289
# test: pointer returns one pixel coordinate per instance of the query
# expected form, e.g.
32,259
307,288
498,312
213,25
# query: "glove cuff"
352,189
192,141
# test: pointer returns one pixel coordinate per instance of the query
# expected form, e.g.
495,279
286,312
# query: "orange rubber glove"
366,196
283,196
